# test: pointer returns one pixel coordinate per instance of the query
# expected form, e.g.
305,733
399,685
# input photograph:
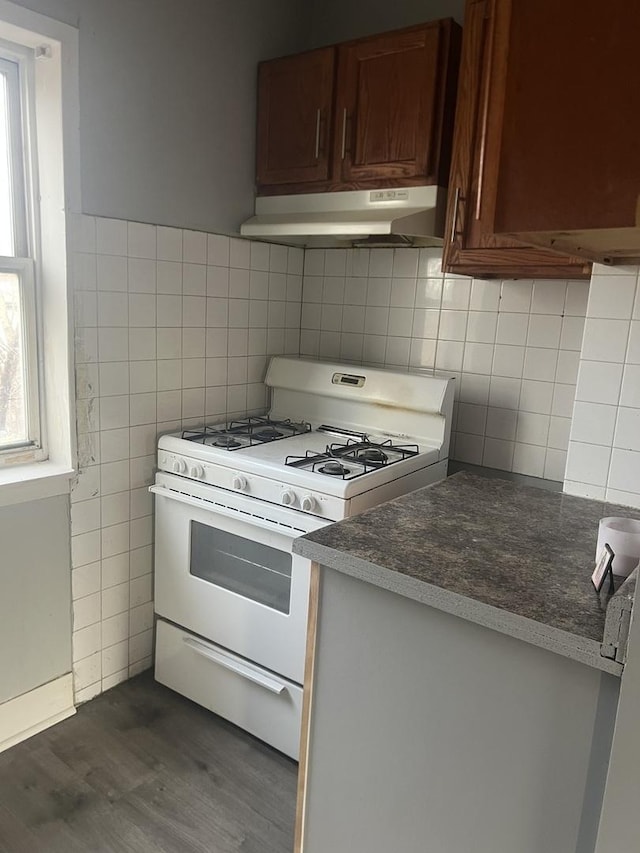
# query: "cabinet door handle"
454,223
273,685
318,122
344,132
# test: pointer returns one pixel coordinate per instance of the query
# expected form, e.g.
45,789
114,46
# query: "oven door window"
257,572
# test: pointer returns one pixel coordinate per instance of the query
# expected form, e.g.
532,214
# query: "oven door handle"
220,509
236,666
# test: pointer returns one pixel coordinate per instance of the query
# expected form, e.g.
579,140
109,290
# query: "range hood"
412,214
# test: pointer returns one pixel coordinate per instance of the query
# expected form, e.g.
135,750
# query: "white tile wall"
176,326
172,327
604,448
514,346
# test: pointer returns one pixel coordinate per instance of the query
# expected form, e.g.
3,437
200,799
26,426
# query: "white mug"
622,535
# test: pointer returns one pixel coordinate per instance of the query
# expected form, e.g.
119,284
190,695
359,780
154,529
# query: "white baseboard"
26,715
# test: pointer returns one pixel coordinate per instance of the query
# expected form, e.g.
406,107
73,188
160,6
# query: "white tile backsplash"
605,340
577,298
544,331
529,459
594,423
630,391
516,296
456,293
627,432
174,343
513,345
548,298
540,363
572,332
611,296
587,463
624,473
604,449
599,382
111,236
485,295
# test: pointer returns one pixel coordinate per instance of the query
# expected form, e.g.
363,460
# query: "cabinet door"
295,96
471,244
570,171
389,105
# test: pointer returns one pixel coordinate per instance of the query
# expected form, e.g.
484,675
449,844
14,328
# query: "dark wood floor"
141,769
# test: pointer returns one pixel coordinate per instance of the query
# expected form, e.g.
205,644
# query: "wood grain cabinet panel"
472,244
390,104
295,109
569,174
387,122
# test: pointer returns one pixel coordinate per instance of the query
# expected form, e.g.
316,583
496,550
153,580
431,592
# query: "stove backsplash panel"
514,346
172,327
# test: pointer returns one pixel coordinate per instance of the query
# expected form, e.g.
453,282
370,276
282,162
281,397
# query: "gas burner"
246,432
268,433
266,429
353,458
335,469
371,454
227,441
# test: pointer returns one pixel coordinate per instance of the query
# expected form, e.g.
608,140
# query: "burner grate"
351,459
246,432
375,452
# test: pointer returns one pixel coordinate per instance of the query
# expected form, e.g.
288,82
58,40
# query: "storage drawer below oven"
266,705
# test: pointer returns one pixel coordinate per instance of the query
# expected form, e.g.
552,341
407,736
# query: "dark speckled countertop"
516,559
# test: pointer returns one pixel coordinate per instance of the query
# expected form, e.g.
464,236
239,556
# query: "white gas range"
231,598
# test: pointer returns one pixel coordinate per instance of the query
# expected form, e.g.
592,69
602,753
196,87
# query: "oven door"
224,570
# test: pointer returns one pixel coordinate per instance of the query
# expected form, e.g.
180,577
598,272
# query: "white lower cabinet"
431,734
264,704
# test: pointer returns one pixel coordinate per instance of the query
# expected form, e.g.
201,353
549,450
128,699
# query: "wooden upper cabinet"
569,175
390,102
295,109
472,244
387,121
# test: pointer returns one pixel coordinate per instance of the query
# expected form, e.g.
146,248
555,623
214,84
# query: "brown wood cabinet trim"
610,246
517,263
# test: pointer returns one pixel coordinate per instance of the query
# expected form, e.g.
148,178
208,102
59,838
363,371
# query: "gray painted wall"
339,20
66,11
167,103
35,595
167,94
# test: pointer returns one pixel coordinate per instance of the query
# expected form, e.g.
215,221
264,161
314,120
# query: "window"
39,206
20,431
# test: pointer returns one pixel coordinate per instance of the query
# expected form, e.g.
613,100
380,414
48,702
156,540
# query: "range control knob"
179,466
239,482
288,497
197,472
308,503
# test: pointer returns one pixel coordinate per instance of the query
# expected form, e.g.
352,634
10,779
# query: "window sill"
33,482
